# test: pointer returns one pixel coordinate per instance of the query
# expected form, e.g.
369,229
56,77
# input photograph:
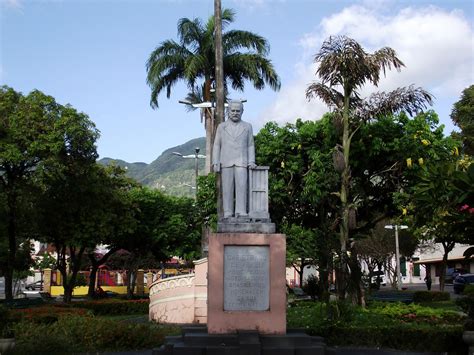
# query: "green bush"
389,325
112,307
430,296
402,337
5,323
468,290
47,314
77,334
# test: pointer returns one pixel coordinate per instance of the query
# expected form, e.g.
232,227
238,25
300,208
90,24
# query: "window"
403,266
416,267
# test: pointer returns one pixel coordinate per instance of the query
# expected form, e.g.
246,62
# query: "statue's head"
235,110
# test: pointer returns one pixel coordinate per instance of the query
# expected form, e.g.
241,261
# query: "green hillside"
169,172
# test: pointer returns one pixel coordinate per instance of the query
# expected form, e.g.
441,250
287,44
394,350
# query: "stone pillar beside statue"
258,218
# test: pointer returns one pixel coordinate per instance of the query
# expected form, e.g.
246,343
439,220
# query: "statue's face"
235,111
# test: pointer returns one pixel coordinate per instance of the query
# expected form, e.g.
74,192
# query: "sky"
92,55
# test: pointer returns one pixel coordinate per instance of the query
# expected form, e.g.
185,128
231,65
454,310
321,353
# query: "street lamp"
397,252
194,156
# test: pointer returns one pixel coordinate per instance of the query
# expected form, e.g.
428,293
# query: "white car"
383,279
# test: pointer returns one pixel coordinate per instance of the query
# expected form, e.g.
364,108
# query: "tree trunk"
131,278
344,195
95,266
92,279
447,248
12,245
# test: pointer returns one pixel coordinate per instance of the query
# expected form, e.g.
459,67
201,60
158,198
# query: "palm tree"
193,61
344,68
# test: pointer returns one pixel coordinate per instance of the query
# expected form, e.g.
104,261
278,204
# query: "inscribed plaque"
246,278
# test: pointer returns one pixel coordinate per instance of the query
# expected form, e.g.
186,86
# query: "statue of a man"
233,153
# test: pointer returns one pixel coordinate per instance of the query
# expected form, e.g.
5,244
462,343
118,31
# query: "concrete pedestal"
197,341
252,295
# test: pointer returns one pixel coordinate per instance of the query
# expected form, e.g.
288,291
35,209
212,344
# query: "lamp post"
194,156
397,252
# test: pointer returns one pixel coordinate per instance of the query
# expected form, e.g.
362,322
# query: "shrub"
46,314
389,325
403,337
115,307
430,296
84,334
5,324
468,291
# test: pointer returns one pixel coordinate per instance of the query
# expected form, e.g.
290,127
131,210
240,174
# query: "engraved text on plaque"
246,278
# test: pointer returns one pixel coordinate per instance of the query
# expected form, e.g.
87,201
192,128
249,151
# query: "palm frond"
343,61
253,67
190,32
233,41
227,18
195,96
409,99
330,96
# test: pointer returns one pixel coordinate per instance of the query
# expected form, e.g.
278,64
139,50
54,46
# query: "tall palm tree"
192,60
344,68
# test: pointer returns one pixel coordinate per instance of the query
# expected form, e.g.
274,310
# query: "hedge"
77,334
430,296
413,338
109,307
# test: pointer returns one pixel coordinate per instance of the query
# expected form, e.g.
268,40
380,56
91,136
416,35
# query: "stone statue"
233,153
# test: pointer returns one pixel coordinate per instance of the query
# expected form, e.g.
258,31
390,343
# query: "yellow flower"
425,142
420,161
455,151
299,146
404,211
282,164
409,164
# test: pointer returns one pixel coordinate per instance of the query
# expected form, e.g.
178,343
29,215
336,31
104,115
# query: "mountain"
169,172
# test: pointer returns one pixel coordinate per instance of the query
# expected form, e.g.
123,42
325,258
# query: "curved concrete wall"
180,299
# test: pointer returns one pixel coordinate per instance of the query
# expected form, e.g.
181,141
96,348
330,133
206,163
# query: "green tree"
301,182
72,207
192,60
29,135
463,117
166,227
119,221
441,212
345,65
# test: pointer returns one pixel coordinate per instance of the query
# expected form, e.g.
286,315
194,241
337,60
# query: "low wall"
82,290
180,299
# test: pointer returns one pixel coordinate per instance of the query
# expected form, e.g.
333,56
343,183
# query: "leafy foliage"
462,116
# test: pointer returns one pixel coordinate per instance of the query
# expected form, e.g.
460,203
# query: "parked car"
452,273
461,281
381,277
35,286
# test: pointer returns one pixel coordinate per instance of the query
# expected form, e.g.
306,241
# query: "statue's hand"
252,166
216,168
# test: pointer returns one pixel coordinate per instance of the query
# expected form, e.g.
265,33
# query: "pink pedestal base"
271,321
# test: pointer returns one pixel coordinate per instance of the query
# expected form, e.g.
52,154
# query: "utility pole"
397,251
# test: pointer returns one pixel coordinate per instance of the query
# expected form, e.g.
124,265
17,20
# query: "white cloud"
436,46
16,4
